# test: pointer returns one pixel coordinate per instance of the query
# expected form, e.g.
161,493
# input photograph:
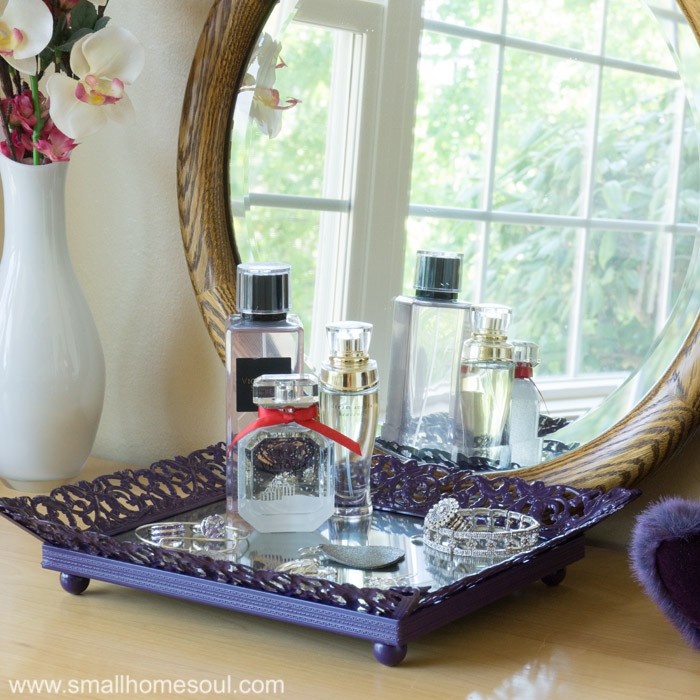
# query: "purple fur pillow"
665,557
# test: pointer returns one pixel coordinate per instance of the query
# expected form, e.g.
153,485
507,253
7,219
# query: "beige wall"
680,476
165,384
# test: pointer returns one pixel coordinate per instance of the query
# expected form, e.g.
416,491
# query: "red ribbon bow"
306,417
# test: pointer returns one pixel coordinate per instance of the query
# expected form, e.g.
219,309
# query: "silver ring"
210,535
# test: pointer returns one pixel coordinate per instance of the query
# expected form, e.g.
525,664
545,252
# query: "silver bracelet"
478,532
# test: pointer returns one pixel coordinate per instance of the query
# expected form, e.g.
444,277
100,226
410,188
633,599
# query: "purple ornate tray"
87,530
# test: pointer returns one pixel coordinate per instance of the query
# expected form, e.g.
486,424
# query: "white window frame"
366,192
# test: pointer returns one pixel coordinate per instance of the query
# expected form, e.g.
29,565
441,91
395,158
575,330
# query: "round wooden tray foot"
556,578
388,654
74,584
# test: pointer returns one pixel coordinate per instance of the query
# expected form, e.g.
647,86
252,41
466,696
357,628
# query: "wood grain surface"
622,455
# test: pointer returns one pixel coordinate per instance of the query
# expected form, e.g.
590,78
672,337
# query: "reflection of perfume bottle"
525,445
261,339
485,386
285,469
350,404
427,338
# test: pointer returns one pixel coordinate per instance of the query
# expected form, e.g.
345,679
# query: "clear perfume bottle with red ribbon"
283,463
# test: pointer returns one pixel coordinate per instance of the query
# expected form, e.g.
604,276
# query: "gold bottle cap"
349,367
489,340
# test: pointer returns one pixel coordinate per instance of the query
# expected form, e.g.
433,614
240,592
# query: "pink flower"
54,144
19,143
65,5
20,110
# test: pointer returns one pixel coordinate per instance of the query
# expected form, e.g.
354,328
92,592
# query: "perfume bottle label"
285,466
349,409
248,369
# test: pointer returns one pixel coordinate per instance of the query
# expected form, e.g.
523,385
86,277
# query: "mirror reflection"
557,151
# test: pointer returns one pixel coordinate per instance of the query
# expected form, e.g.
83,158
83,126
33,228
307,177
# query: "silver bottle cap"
348,339
349,367
490,319
525,352
282,390
263,288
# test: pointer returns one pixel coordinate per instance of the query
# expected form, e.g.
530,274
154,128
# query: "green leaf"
45,59
612,193
101,23
68,45
606,250
83,15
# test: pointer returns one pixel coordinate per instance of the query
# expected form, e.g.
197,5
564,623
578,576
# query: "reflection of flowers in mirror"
92,64
266,109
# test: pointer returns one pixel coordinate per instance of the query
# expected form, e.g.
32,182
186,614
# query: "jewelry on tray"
478,532
367,557
211,535
307,567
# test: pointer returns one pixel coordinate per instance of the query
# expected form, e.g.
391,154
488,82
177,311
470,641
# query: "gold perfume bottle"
350,404
485,387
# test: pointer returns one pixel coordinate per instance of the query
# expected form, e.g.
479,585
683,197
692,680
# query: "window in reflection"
573,156
550,142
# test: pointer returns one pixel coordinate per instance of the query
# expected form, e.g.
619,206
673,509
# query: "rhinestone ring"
445,514
211,535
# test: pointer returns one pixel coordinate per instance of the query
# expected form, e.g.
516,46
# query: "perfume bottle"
350,404
525,445
285,466
428,332
485,387
263,338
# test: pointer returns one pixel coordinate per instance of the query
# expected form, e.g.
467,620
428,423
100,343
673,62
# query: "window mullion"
573,358
664,292
496,81
384,173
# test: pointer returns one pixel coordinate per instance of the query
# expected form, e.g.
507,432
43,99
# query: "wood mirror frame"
644,439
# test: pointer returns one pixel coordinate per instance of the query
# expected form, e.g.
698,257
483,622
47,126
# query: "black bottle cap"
263,289
438,275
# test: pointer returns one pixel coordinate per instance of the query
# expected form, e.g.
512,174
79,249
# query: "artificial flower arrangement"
87,63
267,107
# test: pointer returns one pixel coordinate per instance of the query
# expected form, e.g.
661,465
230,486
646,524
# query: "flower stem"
34,84
5,80
7,130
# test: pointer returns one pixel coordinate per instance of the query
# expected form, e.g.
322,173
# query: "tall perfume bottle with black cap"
262,338
428,332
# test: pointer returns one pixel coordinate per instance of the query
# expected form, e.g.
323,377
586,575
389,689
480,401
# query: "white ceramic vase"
52,370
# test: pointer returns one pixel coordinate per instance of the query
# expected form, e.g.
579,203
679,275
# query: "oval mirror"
639,425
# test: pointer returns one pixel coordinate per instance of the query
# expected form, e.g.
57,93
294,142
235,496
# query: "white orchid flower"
26,27
105,62
266,108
